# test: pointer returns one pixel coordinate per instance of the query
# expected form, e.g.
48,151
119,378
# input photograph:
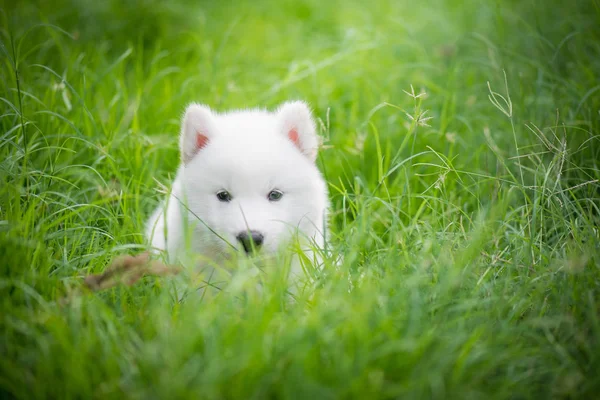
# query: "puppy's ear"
296,123
197,128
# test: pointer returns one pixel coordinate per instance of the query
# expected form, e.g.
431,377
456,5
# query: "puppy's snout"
250,239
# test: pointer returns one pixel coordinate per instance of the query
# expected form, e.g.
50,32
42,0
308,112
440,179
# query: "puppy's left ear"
197,130
296,123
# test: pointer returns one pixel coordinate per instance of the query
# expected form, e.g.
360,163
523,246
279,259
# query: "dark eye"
224,196
275,195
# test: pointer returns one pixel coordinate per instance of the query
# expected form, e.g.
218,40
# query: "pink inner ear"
293,135
201,141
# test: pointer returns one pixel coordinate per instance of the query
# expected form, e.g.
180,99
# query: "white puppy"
247,182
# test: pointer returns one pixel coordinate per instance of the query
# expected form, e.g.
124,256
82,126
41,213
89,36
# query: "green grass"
471,246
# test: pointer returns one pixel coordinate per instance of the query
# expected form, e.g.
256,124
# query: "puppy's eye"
224,196
275,195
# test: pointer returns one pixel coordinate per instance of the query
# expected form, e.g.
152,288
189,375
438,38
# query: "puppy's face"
250,177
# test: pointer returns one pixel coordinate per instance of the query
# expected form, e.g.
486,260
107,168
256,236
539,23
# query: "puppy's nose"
248,239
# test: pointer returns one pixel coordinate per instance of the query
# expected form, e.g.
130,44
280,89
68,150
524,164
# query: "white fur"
248,153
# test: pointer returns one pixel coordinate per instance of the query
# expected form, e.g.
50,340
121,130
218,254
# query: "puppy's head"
250,176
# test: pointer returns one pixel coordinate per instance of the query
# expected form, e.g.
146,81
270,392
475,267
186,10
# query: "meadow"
461,147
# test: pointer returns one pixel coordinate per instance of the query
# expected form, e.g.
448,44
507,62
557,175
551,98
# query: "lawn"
461,148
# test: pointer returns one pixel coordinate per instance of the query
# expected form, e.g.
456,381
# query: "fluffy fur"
248,154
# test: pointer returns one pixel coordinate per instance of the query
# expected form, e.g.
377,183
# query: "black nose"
248,239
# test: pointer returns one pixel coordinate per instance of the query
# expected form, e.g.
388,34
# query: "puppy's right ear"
197,128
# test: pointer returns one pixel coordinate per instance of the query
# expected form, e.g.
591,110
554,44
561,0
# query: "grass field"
470,240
